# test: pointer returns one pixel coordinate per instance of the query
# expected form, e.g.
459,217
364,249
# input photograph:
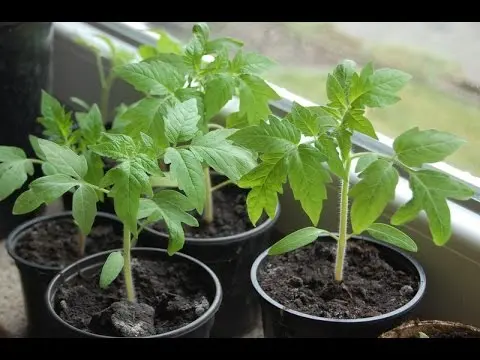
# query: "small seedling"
194,82
329,129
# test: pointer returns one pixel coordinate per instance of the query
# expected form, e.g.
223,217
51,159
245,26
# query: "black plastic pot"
200,328
35,278
231,258
25,61
281,322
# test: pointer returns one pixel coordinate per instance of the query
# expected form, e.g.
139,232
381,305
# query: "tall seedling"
330,129
194,82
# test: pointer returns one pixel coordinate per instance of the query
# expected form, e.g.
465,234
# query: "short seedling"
179,83
329,131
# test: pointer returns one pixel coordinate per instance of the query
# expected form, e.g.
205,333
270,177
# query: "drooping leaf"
111,269
355,119
84,208
14,170
296,240
415,147
393,236
26,203
51,187
372,194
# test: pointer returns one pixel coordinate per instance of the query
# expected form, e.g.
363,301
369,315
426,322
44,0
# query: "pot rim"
200,321
17,233
418,296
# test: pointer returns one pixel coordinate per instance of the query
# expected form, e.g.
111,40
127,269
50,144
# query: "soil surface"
229,212
303,281
169,296
55,243
457,334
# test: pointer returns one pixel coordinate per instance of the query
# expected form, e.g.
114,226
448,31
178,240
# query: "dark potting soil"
55,242
169,296
303,280
229,212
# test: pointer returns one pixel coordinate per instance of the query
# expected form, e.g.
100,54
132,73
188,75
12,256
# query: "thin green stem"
342,236
36,161
215,126
127,266
360,154
221,185
98,188
105,96
208,210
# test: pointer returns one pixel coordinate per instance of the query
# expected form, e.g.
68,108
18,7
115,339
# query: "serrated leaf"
173,207
325,119
14,170
266,180
111,269
250,63
51,187
276,136
380,88
307,178
255,95
186,94
415,147
343,73
364,161
344,139
356,120
151,78
26,203
335,93
115,146
147,116
391,235
431,189
181,121
84,208
296,240
304,119
188,172
65,160
222,155
217,45
237,121
372,194
119,122
327,146
219,89
56,122
407,212
91,124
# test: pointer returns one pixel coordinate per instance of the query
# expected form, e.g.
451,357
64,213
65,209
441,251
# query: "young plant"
329,130
179,83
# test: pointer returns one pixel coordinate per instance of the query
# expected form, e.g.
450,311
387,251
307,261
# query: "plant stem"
342,238
127,266
215,126
221,185
208,210
105,96
81,243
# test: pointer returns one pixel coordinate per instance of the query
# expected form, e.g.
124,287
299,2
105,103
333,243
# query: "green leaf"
36,147
296,240
167,44
147,51
327,146
415,147
381,87
307,178
173,208
219,89
277,136
217,45
147,116
304,119
56,122
250,63
80,102
14,171
393,236
181,121
255,95
343,73
344,139
237,121
119,122
431,189
372,194
335,93
266,180
111,269
115,146
356,120
65,160
11,153
91,124
84,208
364,161
151,78
51,187
95,168
26,203
188,172
326,118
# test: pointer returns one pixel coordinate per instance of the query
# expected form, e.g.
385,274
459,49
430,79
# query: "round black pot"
35,278
281,322
25,60
200,328
231,258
